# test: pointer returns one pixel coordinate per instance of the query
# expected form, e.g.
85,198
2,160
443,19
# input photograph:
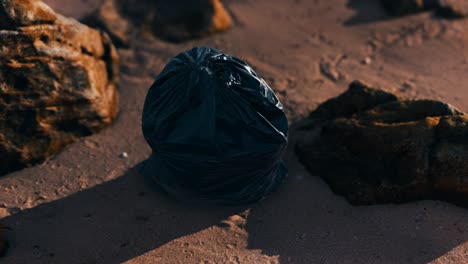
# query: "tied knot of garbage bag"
217,130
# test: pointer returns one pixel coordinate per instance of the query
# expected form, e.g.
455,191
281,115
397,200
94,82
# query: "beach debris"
216,129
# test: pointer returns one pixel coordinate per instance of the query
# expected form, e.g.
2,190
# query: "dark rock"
57,82
445,8
404,7
373,147
449,158
185,19
175,20
359,97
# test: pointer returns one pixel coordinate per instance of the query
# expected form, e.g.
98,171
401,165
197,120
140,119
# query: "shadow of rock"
306,223
367,11
110,223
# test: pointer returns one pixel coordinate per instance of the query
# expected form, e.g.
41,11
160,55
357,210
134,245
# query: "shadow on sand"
113,222
303,222
306,223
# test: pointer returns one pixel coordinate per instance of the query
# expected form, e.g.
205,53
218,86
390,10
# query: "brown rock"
19,13
57,82
176,20
180,20
374,147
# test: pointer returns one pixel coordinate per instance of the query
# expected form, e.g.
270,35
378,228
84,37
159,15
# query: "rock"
25,13
404,7
373,147
453,8
186,19
449,158
108,19
57,82
175,20
359,97
366,61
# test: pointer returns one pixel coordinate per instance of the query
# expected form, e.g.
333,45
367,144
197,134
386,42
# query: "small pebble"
123,155
366,61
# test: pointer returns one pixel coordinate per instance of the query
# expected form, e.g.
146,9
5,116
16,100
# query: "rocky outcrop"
176,20
373,147
57,82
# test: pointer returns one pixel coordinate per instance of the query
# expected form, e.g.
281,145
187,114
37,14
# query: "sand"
88,204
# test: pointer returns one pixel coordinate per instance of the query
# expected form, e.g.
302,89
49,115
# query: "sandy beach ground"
89,205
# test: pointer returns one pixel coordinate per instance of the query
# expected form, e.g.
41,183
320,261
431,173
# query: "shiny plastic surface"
216,129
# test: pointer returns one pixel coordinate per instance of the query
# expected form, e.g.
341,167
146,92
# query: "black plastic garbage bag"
216,129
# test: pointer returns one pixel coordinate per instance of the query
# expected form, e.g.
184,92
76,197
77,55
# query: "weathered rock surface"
176,20
57,82
373,147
